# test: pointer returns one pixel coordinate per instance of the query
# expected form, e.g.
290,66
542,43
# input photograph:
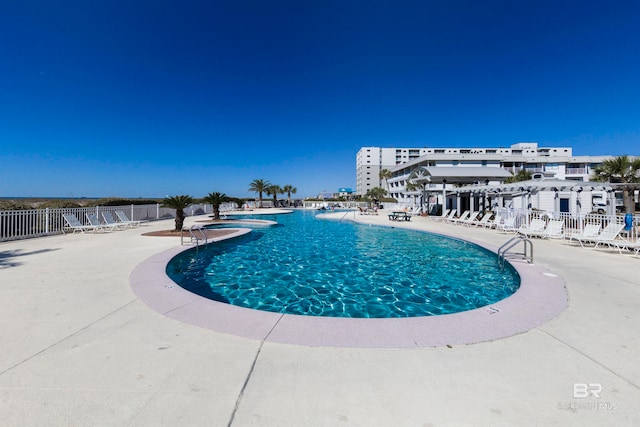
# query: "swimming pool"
309,266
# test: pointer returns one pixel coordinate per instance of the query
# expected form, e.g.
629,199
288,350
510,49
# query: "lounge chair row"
368,211
609,237
539,228
95,225
595,234
469,218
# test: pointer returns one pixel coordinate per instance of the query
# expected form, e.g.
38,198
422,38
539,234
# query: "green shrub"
121,202
13,205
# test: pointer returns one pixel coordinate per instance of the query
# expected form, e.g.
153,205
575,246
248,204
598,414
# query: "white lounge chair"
492,222
470,220
508,225
462,217
536,226
609,235
442,217
451,216
73,223
124,218
484,221
606,237
95,222
589,232
111,222
633,246
627,245
553,230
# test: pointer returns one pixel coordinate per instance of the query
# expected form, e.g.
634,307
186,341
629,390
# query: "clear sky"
147,98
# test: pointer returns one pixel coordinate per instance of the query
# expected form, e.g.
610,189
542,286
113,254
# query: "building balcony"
576,171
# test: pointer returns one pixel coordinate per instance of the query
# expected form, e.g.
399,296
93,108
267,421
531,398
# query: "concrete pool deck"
540,298
80,348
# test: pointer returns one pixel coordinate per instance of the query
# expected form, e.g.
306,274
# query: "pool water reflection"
309,266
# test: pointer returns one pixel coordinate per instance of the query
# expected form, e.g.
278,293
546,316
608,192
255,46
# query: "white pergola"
525,189
456,175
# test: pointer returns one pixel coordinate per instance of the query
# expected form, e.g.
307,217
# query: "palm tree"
621,169
216,199
289,189
274,190
376,193
411,186
385,174
522,175
259,186
179,203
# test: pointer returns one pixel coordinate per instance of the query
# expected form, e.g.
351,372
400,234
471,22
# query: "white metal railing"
572,223
30,223
338,204
193,236
576,171
526,254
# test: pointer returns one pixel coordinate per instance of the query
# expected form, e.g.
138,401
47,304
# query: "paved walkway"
79,348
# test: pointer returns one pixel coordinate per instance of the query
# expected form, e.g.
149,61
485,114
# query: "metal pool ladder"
193,236
526,254
345,215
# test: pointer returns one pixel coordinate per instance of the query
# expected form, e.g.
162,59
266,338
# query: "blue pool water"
316,267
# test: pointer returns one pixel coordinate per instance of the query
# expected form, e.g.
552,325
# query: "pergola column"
444,195
611,204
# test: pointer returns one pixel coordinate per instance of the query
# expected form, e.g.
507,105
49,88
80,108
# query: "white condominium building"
556,162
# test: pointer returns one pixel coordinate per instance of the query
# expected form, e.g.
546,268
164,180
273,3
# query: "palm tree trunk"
627,197
179,219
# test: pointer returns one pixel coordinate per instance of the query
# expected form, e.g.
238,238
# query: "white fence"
25,224
318,204
572,223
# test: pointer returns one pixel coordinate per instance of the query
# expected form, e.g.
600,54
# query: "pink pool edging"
541,297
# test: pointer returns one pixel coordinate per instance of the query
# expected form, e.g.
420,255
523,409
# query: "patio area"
80,348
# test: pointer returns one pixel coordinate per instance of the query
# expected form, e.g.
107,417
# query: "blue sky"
154,98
